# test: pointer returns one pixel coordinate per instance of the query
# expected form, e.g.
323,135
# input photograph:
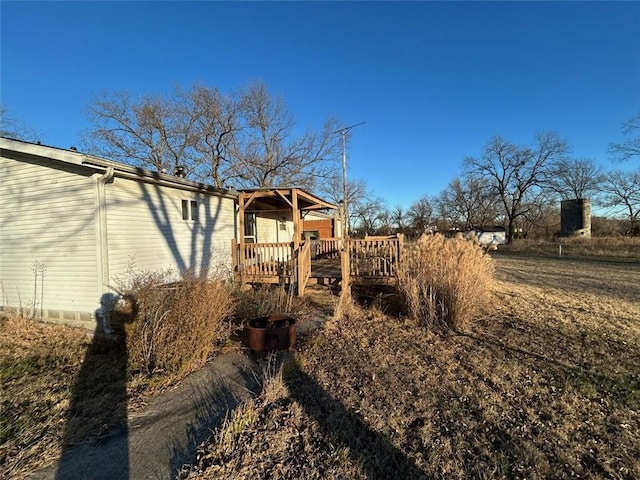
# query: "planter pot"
271,332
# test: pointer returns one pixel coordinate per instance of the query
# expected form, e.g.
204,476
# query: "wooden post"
345,261
241,223
297,234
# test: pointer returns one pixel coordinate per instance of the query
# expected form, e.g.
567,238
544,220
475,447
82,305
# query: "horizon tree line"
249,138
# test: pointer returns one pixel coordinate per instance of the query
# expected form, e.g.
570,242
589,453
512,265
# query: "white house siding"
145,229
47,220
270,230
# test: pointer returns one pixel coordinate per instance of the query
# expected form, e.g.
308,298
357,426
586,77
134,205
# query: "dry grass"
176,326
38,367
612,247
61,387
445,281
546,385
264,300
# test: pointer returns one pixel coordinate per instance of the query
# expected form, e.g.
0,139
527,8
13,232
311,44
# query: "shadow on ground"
98,408
379,458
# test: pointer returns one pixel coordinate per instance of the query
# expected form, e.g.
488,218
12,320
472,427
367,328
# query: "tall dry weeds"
265,300
178,325
445,281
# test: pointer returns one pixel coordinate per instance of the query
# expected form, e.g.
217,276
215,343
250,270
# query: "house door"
250,230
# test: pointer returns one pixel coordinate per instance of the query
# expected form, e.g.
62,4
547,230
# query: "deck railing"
375,256
327,248
264,259
304,266
373,259
273,263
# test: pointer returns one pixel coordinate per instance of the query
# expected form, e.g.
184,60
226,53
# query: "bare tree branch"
573,177
248,138
11,127
514,173
629,148
621,190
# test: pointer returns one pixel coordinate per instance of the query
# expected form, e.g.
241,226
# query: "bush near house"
444,281
169,329
176,326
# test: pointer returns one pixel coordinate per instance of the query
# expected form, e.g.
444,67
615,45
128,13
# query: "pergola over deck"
372,260
290,199
275,262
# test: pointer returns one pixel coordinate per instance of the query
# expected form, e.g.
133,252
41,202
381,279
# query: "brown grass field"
545,384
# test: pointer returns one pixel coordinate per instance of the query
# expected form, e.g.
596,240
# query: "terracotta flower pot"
271,332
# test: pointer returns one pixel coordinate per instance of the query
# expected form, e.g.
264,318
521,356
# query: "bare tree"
332,189
11,127
574,177
267,152
398,218
514,173
216,120
630,147
420,215
539,217
468,201
368,214
385,223
247,138
149,131
621,190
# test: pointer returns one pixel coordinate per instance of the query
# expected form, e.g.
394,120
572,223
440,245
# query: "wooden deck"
325,271
373,261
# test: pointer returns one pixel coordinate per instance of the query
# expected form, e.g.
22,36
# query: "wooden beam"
234,256
253,196
317,203
241,210
297,235
285,198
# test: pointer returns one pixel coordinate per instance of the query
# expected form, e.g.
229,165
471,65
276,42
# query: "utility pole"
345,258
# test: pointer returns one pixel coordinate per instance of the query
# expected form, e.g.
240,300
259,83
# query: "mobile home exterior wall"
147,228
72,226
48,237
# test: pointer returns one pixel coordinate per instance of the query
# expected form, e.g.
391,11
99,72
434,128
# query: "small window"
194,210
185,209
190,210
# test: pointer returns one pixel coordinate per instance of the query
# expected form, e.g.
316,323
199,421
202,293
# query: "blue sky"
434,81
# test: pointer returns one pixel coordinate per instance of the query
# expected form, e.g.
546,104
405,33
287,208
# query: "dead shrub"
444,281
178,325
264,300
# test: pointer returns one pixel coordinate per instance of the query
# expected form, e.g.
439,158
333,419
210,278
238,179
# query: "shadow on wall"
98,408
201,227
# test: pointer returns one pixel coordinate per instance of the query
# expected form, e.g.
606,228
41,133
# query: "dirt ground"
546,384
